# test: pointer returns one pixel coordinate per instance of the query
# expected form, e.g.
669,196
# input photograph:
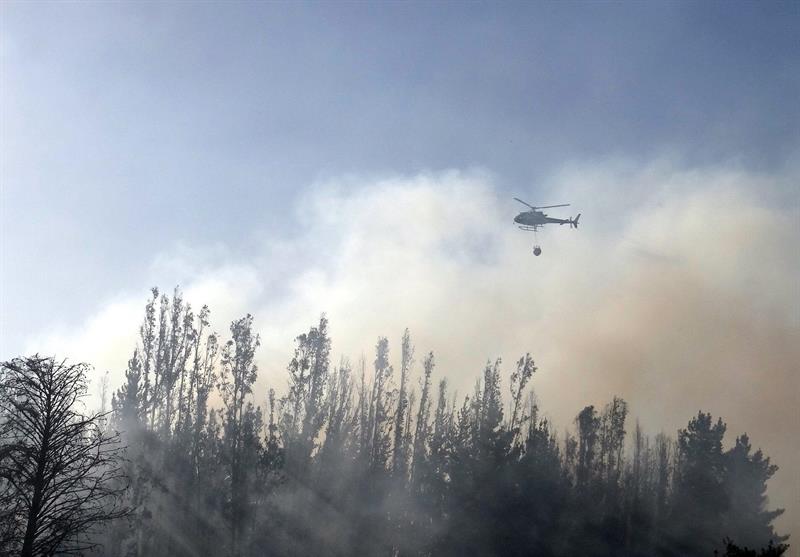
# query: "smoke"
679,292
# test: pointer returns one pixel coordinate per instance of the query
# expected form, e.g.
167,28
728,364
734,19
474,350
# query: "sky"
360,160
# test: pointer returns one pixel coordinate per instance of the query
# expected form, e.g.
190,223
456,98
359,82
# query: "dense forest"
372,457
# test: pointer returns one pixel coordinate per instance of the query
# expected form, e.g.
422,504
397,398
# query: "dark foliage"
772,550
369,459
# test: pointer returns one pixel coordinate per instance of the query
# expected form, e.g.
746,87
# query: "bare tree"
60,472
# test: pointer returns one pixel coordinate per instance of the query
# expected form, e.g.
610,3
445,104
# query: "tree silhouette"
353,460
700,498
60,469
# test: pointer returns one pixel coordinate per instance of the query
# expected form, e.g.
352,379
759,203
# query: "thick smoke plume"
678,293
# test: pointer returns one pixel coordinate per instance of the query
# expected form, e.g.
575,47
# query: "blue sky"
360,158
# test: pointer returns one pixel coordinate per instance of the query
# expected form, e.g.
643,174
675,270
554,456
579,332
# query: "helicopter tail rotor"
574,222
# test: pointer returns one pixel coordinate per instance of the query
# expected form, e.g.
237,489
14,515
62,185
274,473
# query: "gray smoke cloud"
679,292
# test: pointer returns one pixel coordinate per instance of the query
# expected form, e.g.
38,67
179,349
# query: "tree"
401,438
60,470
304,415
588,425
236,383
380,407
519,379
700,498
422,432
771,550
746,475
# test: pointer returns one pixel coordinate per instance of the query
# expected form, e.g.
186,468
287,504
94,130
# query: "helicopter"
534,219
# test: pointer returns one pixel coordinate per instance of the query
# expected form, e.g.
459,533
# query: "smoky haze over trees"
379,457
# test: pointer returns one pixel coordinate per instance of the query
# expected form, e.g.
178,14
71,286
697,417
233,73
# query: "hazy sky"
360,159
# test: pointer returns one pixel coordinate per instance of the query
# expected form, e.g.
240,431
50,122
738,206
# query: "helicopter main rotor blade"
524,203
551,206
